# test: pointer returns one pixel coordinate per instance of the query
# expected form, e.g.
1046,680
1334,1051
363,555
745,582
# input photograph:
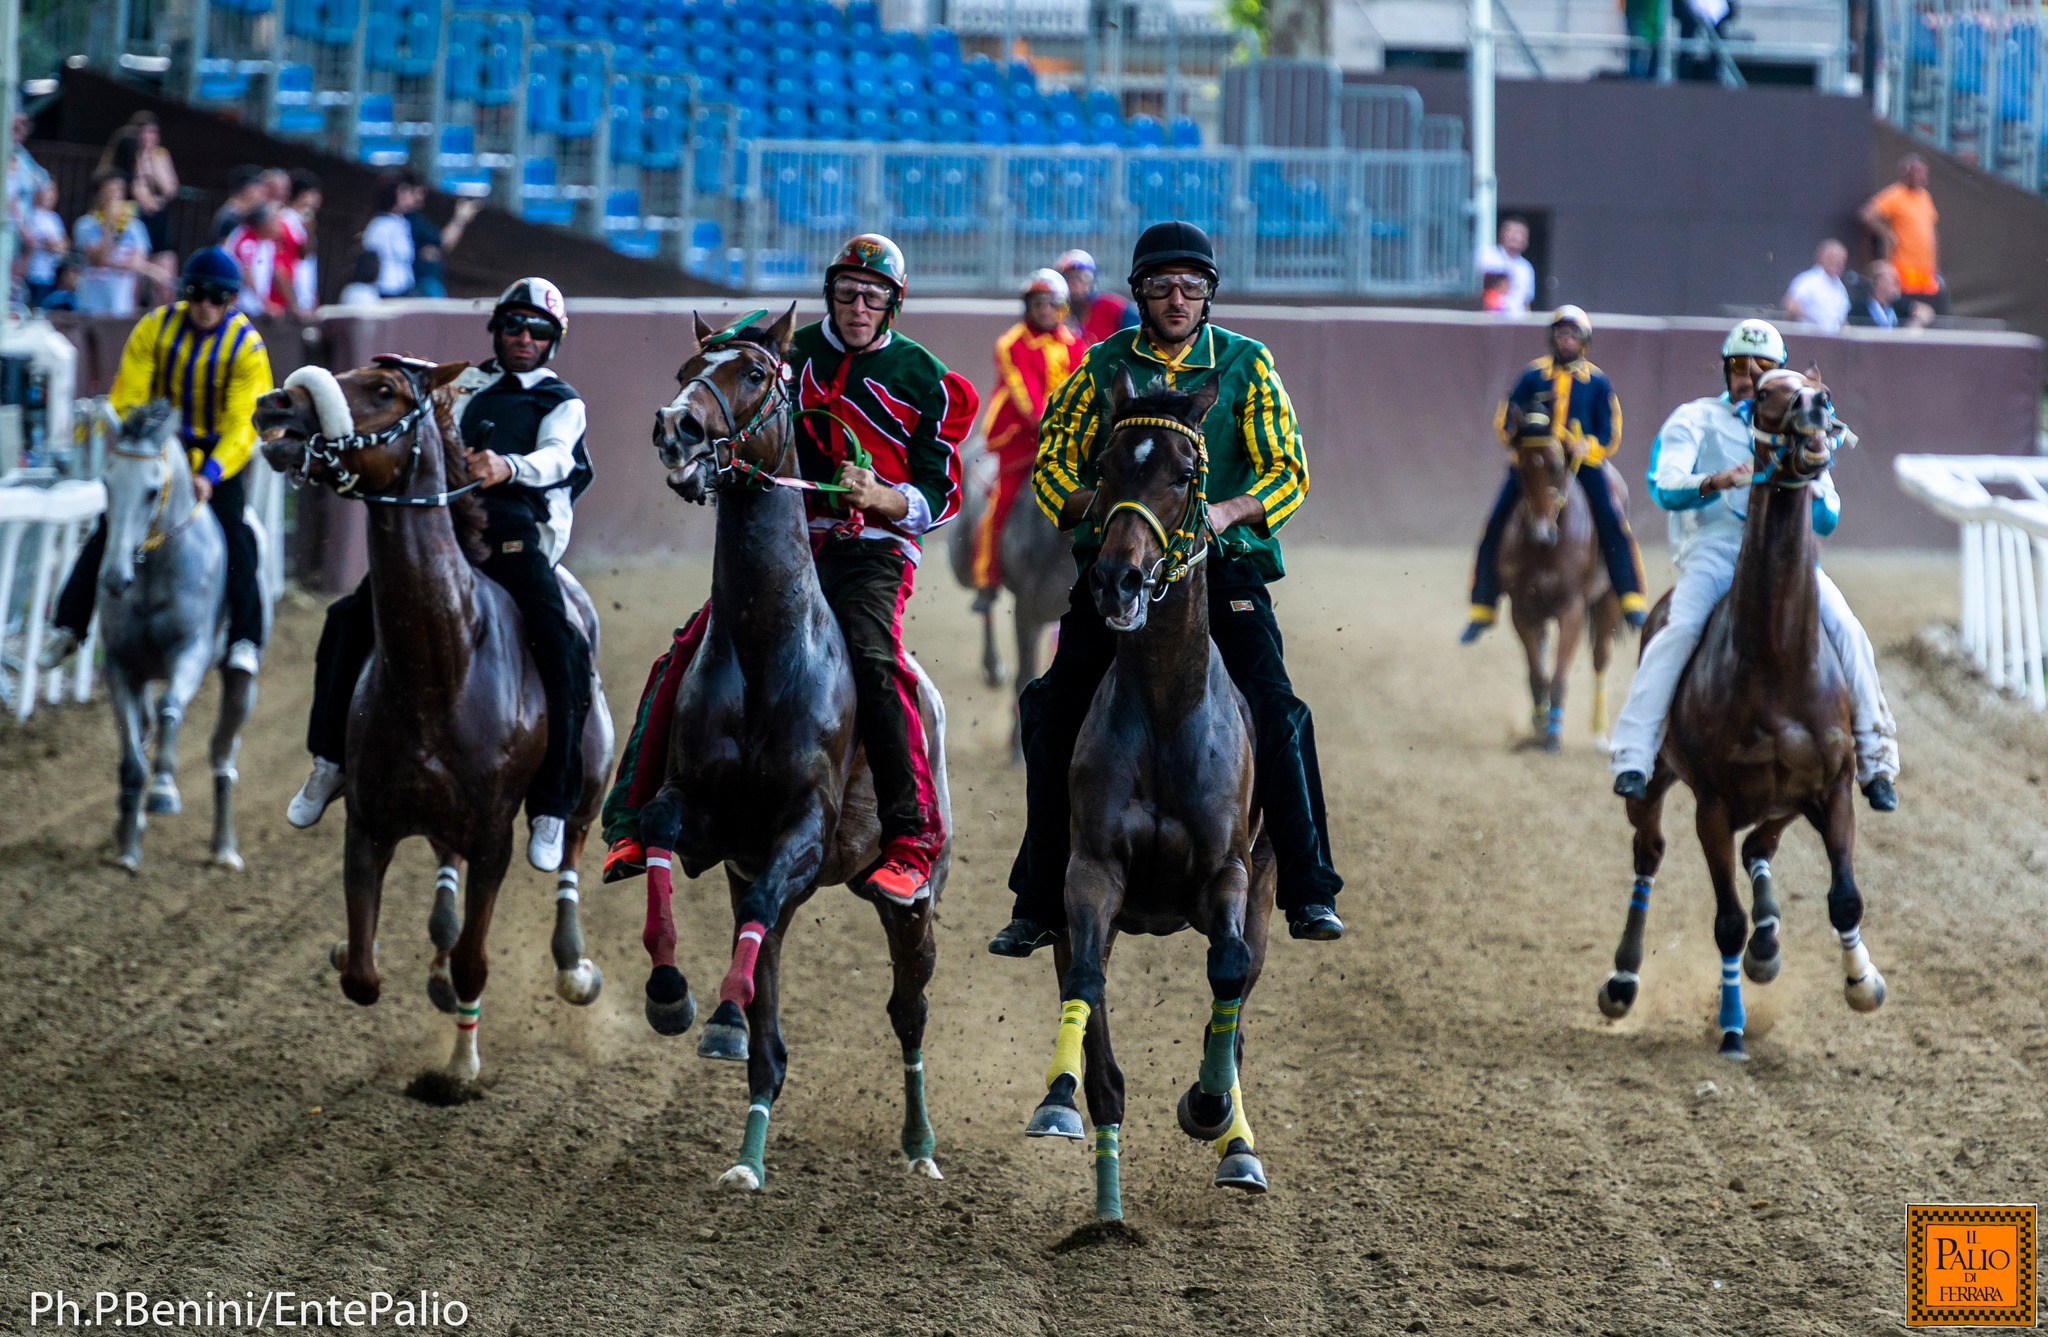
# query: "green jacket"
1254,444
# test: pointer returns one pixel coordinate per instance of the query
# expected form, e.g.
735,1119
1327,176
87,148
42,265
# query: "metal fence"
1384,223
1968,78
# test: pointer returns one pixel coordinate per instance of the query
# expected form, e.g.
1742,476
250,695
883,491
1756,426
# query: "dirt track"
1455,1138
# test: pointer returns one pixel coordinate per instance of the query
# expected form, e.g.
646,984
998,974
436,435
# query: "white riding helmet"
1050,282
538,297
1576,317
1757,339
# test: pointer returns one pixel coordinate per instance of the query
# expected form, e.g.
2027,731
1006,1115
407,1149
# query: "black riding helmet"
1175,243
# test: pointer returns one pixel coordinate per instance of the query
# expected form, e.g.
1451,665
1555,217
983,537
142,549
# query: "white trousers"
1704,577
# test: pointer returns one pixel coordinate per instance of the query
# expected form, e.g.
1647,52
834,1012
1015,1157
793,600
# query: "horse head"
358,433
1793,428
1153,466
149,490
737,384
1545,477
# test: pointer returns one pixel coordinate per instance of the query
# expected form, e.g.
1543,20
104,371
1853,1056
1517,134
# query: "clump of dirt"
434,1087
1100,1234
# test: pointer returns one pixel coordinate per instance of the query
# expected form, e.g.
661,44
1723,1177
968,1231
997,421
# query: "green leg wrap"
621,822
754,1143
1109,1190
1219,1051
918,1141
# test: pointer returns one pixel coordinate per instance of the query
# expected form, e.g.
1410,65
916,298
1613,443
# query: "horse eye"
755,376
1188,476
384,390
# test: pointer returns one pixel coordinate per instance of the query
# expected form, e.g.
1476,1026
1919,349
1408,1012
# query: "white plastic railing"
2005,557
57,519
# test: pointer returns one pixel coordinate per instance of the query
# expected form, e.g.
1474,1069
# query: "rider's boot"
901,877
625,857
320,789
1316,922
1021,937
1883,798
63,643
1632,784
544,845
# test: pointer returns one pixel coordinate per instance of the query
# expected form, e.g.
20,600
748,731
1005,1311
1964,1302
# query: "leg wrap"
659,936
754,1142
738,985
918,1140
566,886
1240,1129
466,1014
1066,1049
1731,994
1109,1193
1219,1053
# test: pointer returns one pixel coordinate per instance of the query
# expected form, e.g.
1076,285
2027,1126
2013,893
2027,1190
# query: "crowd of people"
1900,289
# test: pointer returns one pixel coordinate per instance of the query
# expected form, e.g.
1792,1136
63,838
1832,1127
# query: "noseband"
1780,445
731,470
328,450
1179,553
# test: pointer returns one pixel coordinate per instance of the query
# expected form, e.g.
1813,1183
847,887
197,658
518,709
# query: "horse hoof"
1052,1119
1241,1170
228,860
163,797
581,985
1762,969
129,863
337,956
441,989
1617,996
1185,1112
671,1009
725,1035
361,992
741,1177
925,1167
1866,994
1732,1047
1551,743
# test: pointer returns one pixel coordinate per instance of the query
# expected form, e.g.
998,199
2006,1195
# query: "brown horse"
1165,835
1760,725
448,722
765,773
1551,571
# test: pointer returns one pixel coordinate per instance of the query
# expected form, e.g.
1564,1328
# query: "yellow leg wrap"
1240,1127
1599,703
1066,1050
1633,603
1481,613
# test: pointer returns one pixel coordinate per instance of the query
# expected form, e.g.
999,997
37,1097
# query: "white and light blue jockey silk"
1704,437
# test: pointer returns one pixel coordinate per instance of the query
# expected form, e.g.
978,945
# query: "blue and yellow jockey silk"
213,378
1591,416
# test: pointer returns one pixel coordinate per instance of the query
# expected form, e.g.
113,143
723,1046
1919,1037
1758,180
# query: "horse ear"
1812,372
1122,390
703,331
445,374
779,332
1204,399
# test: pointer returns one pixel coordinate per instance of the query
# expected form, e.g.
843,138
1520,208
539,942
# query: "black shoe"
1318,923
1021,937
1632,784
1473,631
1883,798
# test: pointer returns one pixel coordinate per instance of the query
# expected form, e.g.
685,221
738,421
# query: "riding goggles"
540,327
214,293
1194,287
846,292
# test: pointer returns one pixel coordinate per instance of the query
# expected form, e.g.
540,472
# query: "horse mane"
466,511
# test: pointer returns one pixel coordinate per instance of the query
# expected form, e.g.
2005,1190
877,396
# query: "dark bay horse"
448,722
1038,567
1551,571
1164,831
1760,725
765,773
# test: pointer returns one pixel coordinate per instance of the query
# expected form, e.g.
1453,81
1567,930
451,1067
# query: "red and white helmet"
541,298
1048,281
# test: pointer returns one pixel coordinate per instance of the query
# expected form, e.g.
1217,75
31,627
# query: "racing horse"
764,771
1760,725
1164,831
1551,571
161,612
448,721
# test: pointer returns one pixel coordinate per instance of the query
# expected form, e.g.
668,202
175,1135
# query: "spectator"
1493,291
277,185
254,245
1817,295
137,149
245,188
389,235
63,295
1506,258
431,245
1871,304
1644,20
361,288
300,240
1902,218
116,249
24,176
44,242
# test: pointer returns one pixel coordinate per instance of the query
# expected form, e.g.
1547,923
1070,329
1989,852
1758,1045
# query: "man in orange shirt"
1033,358
1902,218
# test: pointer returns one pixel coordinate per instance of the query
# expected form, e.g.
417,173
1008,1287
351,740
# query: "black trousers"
244,587
1289,784
559,652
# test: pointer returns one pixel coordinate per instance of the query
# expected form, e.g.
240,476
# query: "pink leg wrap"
738,985
660,934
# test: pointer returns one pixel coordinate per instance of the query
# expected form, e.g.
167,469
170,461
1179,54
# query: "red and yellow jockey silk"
1029,367
1107,313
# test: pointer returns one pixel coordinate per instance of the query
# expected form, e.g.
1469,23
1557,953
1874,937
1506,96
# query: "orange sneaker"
900,879
626,858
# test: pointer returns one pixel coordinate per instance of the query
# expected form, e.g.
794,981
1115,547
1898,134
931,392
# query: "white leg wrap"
565,885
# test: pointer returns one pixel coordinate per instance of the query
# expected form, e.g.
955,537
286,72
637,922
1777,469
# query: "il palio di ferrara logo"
1970,1266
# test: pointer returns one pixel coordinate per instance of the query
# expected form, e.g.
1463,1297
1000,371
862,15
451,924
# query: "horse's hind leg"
767,1063
1618,991
469,964
237,699
913,955
991,657
1606,619
757,907
1760,960
1531,632
129,708
1212,1109
444,926
577,978
1731,924
1835,818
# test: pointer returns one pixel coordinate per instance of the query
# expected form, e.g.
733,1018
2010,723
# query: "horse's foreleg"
991,657
1094,889
363,862
767,1062
1606,620
1618,991
444,926
469,964
756,909
1835,818
186,674
1760,960
577,978
671,1007
1104,1082
913,955
1731,924
1213,1108
237,699
1532,634
129,726
1571,625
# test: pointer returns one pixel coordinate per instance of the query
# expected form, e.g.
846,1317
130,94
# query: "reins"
732,471
1179,554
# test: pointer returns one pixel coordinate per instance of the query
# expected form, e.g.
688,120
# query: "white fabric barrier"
57,519
2005,557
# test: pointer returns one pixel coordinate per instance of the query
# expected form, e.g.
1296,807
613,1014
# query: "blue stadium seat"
1022,76
949,126
662,58
219,81
868,122
302,19
626,119
456,167
337,22
785,121
991,127
943,45
1184,133
377,141
1105,128
466,37
539,197
296,112
624,229
1966,55
706,243
661,139
497,70
1143,132
828,121
903,42
910,124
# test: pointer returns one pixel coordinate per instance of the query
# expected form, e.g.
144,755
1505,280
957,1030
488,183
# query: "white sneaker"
544,846
320,789
243,656
60,647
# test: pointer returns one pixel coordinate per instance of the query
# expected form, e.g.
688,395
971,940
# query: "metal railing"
1968,78
1379,223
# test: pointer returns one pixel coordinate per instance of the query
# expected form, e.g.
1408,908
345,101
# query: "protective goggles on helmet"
217,294
873,296
1195,287
539,326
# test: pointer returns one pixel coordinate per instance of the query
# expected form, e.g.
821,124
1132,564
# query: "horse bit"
328,450
1178,554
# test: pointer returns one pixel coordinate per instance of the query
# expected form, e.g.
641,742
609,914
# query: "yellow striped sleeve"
1066,438
1006,370
135,381
1273,440
1614,432
248,379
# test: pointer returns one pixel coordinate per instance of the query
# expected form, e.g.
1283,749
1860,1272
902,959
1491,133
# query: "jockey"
1033,357
1700,459
909,415
523,428
1093,315
1257,479
1566,398
209,362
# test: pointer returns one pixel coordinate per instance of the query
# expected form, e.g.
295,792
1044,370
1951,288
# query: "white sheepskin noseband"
329,404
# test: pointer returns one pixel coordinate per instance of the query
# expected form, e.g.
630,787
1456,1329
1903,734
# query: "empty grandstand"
1967,78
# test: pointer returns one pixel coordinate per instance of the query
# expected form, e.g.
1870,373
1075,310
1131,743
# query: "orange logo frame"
1970,1266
